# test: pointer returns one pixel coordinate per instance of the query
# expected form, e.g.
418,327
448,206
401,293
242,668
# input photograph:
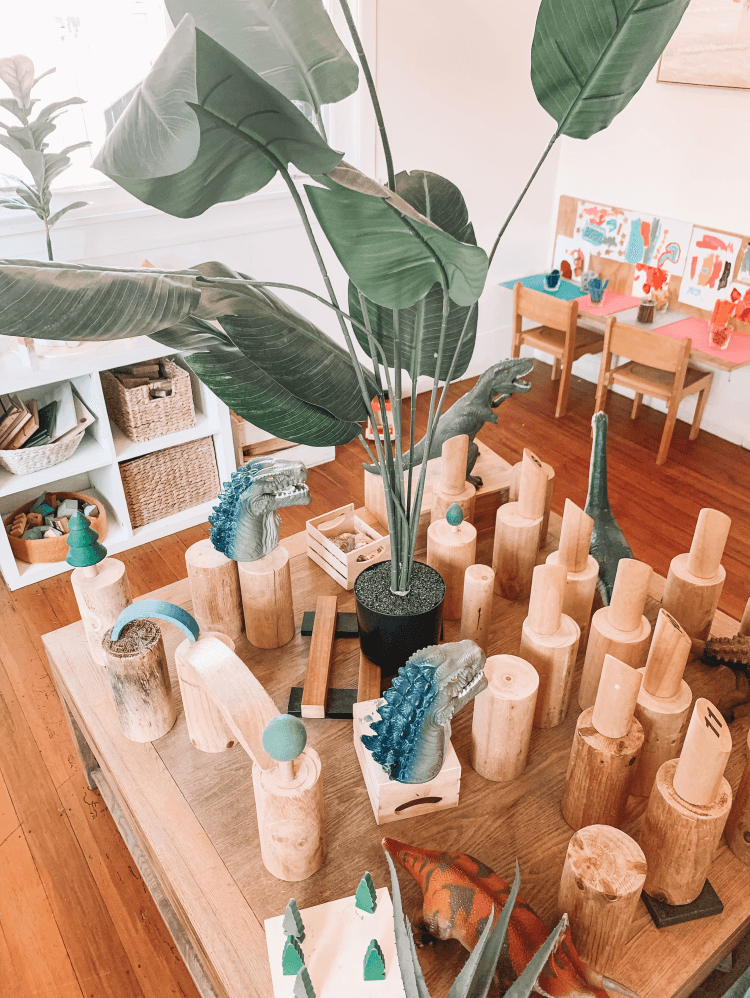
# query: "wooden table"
189,817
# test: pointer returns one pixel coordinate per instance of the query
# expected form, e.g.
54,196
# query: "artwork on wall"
602,230
709,267
664,246
571,257
711,46
743,274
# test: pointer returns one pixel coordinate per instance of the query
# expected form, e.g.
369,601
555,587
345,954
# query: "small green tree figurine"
303,986
293,924
85,549
374,969
366,899
292,957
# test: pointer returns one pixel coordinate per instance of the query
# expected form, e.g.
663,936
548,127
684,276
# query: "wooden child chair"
558,334
657,367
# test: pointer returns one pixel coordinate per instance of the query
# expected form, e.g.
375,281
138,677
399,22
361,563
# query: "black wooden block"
338,706
346,624
707,903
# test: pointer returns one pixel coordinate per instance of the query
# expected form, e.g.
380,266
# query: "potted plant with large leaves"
221,114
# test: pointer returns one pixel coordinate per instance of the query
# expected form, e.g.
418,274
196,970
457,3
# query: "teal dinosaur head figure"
411,736
245,525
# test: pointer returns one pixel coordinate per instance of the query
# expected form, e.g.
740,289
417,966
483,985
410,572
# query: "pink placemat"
612,302
738,350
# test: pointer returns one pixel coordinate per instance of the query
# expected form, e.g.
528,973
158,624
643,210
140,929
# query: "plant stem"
403,545
49,240
416,353
523,193
373,94
369,452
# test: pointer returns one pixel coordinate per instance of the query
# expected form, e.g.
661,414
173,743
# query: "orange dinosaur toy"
459,892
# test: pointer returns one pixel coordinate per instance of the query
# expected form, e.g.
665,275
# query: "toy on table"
695,579
596,290
608,544
582,568
245,528
366,898
606,746
100,584
374,962
620,629
515,484
487,900
738,823
600,889
451,548
552,280
549,641
687,811
476,612
733,652
503,718
517,530
664,700
453,487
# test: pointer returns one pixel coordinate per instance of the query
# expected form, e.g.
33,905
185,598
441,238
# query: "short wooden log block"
517,531
450,551
101,596
266,587
214,589
476,613
695,579
503,718
582,568
208,730
139,679
738,822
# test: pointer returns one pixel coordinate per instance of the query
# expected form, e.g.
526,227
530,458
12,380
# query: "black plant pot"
392,628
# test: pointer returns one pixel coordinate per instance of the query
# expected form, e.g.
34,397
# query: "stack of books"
58,412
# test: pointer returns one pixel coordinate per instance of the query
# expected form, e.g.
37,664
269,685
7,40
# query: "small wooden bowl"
52,548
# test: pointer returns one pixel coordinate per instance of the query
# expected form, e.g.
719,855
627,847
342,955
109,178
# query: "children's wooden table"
188,817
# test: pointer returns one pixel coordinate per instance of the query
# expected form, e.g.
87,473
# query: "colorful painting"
743,274
603,231
571,257
709,268
711,46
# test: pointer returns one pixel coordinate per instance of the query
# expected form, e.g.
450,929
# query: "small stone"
51,532
33,534
454,515
292,958
49,519
374,964
69,507
366,899
293,924
303,987
90,510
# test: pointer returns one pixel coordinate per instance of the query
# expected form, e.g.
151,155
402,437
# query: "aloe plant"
216,119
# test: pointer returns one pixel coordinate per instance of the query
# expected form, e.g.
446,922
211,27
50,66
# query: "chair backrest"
649,348
545,309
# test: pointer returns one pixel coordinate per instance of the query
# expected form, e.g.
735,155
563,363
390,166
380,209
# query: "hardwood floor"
76,920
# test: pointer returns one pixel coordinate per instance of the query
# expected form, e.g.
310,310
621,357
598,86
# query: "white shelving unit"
94,467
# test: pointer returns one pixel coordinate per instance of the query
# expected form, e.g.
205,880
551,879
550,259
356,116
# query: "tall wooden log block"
266,587
476,613
695,579
214,589
582,568
503,718
453,487
738,823
101,595
517,531
139,679
515,483
450,551
207,727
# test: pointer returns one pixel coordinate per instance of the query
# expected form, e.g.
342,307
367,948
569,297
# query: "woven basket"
27,459
170,480
142,418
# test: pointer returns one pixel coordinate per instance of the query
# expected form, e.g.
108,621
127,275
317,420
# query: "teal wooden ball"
455,515
284,738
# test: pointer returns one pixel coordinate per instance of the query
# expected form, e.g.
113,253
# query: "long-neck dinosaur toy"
459,893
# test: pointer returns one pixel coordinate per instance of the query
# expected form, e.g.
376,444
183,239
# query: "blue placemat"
566,291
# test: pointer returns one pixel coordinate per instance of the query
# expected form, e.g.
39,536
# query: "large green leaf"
392,253
440,201
204,128
590,57
290,43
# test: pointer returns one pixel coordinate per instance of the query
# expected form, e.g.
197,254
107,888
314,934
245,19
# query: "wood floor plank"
8,817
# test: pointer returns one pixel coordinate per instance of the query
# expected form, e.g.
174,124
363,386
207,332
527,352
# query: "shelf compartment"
125,449
89,454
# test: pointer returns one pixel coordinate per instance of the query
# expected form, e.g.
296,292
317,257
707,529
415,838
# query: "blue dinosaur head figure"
245,524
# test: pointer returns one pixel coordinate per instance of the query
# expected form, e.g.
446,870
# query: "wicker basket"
170,480
25,460
142,418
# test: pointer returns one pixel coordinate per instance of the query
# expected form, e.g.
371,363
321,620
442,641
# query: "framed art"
711,46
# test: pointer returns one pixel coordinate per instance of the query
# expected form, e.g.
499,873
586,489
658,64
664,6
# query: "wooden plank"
315,691
368,684
8,817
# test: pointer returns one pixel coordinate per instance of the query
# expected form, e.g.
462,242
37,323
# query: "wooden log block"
695,579
619,629
476,614
738,822
101,595
616,698
515,550
704,756
207,728
139,679
214,589
515,482
453,487
450,551
368,685
549,641
582,568
600,887
503,718
266,587
315,691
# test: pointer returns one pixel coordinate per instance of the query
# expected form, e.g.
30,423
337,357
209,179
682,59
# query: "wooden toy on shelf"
600,888
517,531
476,612
503,718
606,745
214,589
619,629
453,486
582,568
315,690
100,584
695,579
451,548
687,810
549,641
738,823
664,700
515,483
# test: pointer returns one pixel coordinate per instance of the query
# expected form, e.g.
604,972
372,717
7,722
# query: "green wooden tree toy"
293,924
303,986
292,958
366,899
374,969
85,549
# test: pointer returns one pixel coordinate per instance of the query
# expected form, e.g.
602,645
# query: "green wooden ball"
455,515
284,738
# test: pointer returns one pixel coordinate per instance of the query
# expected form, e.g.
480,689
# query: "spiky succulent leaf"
411,972
525,983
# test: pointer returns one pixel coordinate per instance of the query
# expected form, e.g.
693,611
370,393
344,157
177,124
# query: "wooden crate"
344,568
